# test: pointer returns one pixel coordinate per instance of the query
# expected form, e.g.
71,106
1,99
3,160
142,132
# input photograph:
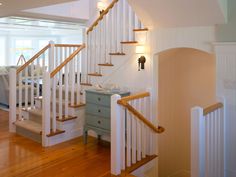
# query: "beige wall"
186,79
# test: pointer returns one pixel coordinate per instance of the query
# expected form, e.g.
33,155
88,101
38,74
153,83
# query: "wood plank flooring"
21,157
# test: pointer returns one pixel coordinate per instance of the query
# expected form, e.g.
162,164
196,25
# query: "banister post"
197,142
51,55
46,122
115,135
12,99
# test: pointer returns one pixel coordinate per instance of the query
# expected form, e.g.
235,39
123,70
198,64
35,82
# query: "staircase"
107,41
49,94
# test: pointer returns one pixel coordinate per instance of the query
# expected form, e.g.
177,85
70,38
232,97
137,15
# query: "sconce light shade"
101,5
140,49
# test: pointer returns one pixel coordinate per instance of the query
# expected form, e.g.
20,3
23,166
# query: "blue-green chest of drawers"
98,112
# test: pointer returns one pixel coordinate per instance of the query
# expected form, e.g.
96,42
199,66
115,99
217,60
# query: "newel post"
197,142
115,135
46,109
12,99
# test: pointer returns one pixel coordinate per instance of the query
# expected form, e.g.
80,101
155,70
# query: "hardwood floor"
21,157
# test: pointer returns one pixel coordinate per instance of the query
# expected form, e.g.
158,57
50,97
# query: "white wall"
186,79
226,86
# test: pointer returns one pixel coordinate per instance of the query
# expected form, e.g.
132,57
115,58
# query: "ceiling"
175,13
47,9
9,7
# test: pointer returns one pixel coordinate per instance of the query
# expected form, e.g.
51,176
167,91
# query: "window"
23,47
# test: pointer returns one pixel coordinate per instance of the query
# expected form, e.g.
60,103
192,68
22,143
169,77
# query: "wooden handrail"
32,59
158,129
55,71
102,15
135,96
212,108
67,45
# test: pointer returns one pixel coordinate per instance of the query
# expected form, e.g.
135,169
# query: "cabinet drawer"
104,100
98,110
98,122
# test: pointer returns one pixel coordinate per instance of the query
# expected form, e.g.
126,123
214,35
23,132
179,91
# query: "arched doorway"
186,78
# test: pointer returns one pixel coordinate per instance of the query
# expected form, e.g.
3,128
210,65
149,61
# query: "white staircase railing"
133,133
24,84
106,37
207,141
54,72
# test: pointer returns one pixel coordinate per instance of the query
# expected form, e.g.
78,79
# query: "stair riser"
28,134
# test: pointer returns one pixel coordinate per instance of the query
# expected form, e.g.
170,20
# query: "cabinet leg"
99,137
85,136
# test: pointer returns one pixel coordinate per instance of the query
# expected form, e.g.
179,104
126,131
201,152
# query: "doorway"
186,78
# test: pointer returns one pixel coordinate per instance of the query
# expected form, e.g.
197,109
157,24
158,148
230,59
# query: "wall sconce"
140,49
101,6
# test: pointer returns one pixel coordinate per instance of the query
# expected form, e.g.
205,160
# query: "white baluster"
143,129
136,22
79,59
118,25
89,48
26,87
60,85
12,99
139,135
115,28
112,26
128,143
125,21
37,77
32,85
123,142
20,94
105,39
134,135
130,27
54,82
96,51
66,87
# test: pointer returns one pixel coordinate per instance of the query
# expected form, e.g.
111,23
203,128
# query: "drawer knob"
99,110
99,99
99,122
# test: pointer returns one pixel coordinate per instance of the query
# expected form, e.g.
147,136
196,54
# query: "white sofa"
4,87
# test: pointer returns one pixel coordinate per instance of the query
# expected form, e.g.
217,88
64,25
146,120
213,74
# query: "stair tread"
30,125
105,64
129,42
86,84
140,163
55,133
117,53
95,74
140,29
64,118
